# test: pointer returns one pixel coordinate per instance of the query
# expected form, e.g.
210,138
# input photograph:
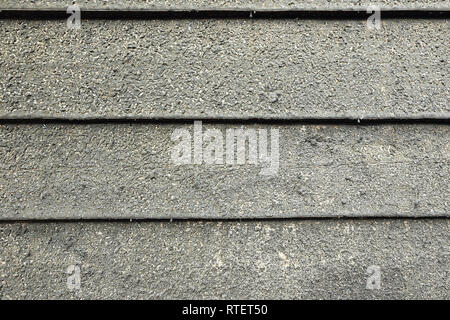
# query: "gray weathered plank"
305,259
225,69
223,3
70,171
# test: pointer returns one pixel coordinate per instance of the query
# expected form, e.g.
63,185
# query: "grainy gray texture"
226,260
126,171
225,68
223,3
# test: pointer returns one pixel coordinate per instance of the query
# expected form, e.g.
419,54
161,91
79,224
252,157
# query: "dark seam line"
245,121
154,14
219,219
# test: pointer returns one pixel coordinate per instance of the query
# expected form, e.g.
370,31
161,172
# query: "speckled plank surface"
292,69
224,3
327,259
126,170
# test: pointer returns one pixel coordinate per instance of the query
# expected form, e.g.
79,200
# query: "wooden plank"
304,259
195,4
221,69
123,171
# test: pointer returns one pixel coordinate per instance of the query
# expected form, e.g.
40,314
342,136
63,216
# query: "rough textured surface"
126,171
225,68
223,3
229,260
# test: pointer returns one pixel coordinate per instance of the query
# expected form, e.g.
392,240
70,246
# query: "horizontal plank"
304,259
126,170
224,69
94,4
